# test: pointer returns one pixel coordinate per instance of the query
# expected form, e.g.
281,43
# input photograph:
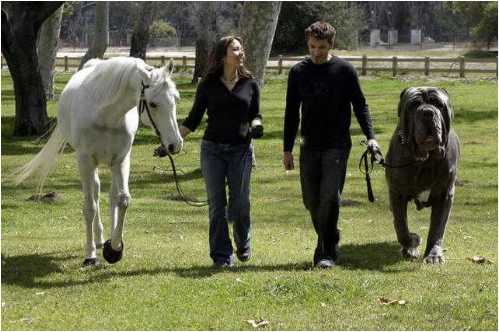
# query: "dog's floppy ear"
402,110
400,101
448,113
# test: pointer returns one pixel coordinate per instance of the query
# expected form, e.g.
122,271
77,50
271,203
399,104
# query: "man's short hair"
321,30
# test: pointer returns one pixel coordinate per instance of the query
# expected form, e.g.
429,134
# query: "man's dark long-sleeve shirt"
227,110
325,93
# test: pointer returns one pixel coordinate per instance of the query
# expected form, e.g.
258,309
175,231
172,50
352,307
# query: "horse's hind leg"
90,186
119,201
97,225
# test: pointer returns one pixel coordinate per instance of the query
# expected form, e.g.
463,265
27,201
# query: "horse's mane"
108,80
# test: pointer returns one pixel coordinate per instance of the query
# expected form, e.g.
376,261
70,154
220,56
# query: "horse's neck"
113,115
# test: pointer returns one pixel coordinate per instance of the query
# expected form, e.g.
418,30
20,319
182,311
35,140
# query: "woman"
230,96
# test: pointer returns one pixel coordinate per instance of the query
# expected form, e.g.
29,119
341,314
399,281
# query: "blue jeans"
231,163
322,176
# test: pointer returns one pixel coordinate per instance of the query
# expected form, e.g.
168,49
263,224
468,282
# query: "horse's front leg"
90,186
119,201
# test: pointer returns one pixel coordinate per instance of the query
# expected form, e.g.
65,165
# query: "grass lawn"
165,280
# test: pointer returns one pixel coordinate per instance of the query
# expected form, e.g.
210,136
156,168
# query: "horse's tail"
44,161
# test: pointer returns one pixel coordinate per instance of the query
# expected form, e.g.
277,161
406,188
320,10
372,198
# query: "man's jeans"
221,162
322,175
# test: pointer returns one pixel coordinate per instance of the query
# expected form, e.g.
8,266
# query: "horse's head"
161,96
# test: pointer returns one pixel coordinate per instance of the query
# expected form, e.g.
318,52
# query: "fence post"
184,63
364,65
280,65
162,60
427,65
66,65
394,66
461,66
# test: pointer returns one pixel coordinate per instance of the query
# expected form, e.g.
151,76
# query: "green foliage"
165,280
161,29
295,17
486,29
481,16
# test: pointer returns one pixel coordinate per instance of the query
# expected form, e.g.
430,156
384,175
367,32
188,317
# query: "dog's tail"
44,161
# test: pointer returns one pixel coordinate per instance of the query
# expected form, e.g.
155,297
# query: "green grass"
165,280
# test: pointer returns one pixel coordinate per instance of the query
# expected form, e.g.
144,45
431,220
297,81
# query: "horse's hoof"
110,255
90,262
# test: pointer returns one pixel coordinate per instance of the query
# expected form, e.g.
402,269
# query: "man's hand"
287,161
373,146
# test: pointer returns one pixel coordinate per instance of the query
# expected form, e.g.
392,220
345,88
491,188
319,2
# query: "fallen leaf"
479,260
240,280
28,320
258,323
386,301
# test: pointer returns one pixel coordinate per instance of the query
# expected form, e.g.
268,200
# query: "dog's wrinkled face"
425,116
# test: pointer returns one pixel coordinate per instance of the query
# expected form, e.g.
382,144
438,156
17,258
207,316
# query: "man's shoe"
224,263
244,255
325,264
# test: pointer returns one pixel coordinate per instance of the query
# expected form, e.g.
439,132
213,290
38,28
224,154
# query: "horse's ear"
169,68
145,72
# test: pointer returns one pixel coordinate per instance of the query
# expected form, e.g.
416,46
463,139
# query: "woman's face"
234,54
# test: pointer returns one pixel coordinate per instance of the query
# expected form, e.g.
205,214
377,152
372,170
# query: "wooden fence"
363,64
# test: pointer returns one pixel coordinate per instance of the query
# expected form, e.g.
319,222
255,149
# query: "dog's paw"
409,253
436,256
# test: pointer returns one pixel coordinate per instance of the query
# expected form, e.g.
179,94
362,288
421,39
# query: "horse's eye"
153,105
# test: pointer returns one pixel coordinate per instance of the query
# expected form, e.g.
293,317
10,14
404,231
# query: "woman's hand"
184,131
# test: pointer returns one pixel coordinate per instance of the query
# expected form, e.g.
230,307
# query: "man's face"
318,49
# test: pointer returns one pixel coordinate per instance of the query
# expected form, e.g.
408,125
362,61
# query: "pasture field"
165,280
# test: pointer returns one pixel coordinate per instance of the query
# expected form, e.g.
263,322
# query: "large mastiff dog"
421,165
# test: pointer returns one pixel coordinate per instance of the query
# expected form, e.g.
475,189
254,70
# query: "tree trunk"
203,49
213,21
140,36
47,50
258,24
205,23
101,33
21,22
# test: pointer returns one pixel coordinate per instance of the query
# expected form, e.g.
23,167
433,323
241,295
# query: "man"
325,87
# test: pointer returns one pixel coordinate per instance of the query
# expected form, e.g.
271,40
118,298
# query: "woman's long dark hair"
216,65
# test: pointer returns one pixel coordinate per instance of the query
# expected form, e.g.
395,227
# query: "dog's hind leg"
409,241
441,207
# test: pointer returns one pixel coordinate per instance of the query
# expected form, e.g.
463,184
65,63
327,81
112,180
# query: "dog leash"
376,157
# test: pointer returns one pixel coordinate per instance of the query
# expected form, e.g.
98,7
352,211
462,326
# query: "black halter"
143,106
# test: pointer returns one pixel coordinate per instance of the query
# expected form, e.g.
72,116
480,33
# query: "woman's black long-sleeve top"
229,112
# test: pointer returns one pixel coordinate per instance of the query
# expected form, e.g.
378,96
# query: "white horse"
98,118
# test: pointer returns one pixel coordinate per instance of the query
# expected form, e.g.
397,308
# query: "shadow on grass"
25,270
377,256
28,270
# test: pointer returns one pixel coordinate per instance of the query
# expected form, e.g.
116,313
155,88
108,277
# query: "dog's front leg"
440,211
409,241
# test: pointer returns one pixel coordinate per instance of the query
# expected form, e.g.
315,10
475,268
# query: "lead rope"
143,106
